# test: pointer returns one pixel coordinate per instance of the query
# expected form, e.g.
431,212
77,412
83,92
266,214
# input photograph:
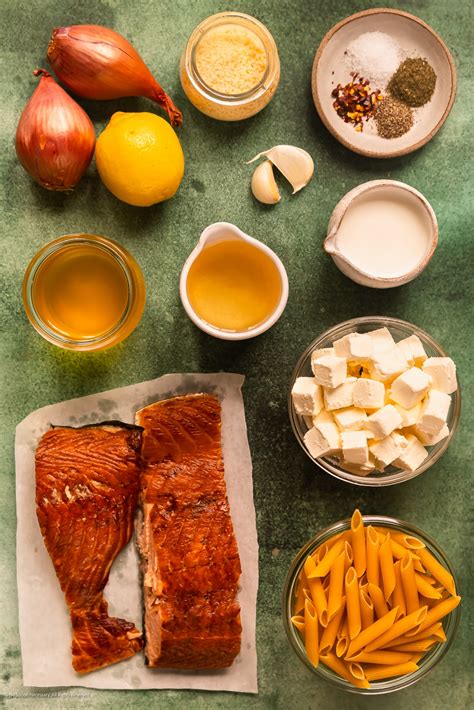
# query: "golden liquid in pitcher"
81,292
234,286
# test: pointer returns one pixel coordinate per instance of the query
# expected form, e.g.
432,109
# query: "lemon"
139,158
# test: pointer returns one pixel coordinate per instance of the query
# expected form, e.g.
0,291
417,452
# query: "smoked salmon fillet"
190,560
87,485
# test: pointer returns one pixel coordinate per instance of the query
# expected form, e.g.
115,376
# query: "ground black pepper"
413,82
393,118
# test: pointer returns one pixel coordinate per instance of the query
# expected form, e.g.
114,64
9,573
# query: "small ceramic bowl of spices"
230,67
383,82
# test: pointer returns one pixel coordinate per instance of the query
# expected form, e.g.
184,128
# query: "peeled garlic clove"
263,184
294,163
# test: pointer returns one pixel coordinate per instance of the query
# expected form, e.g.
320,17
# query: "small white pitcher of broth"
232,286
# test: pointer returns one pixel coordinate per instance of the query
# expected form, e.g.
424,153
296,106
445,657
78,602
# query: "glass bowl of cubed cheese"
374,401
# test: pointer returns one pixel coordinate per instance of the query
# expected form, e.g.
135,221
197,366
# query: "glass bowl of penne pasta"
371,604
338,413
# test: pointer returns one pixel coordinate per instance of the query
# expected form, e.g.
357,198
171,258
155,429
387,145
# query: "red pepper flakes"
355,101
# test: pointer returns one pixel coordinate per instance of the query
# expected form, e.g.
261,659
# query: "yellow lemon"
139,158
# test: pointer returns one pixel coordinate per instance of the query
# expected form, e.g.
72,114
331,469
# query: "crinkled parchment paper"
44,622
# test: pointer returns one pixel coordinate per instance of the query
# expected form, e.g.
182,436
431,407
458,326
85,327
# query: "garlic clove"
294,163
263,184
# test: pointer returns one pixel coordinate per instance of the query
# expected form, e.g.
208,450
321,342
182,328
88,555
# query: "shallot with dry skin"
97,63
55,138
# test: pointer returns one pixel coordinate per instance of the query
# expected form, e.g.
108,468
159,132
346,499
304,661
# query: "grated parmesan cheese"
231,59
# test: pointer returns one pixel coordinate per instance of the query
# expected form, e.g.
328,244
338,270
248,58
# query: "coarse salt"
375,56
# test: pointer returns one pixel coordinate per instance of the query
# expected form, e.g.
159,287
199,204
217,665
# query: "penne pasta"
417,565
356,670
298,622
437,570
324,566
417,646
439,611
427,578
311,633
382,672
319,553
348,556
372,554
336,584
358,543
398,629
299,601
369,603
337,666
407,573
317,592
386,658
341,646
408,541
344,627
425,588
352,603
328,637
387,568
406,638
378,600
367,636
366,609
398,596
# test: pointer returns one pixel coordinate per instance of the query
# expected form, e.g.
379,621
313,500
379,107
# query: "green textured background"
293,499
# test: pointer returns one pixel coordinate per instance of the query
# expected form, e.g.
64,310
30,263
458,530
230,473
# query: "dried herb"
393,118
355,101
413,82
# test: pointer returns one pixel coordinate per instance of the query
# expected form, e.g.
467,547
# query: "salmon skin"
87,485
190,560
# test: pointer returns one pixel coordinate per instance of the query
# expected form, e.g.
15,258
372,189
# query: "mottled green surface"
293,499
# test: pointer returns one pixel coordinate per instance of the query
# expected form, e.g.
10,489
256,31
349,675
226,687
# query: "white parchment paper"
44,622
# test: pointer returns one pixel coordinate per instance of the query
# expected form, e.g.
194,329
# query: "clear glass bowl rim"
393,478
429,661
262,32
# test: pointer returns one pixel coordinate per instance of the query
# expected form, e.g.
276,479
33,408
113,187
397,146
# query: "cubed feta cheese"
351,418
382,422
323,417
399,439
316,354
385,450
409,416
412,350
381,340
322,440
355,347
341,396
307,396
360,470
410,387
442,372
412,456
432,439
368,394
434,412
386,365
330,370
354,447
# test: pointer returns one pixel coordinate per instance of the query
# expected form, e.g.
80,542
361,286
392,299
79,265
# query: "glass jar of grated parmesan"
230,67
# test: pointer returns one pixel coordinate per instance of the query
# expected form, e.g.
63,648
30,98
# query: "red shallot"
97,63
55,137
